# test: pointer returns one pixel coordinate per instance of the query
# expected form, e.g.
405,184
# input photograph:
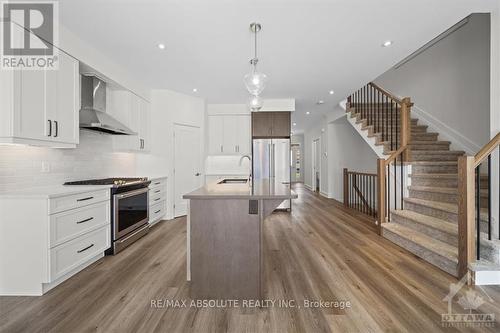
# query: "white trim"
485,278
308,186
324,194
379,150
458,141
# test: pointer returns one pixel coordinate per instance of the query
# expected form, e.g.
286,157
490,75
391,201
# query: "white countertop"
58,190
52,191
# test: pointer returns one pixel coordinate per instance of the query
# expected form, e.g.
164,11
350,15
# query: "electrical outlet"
45,167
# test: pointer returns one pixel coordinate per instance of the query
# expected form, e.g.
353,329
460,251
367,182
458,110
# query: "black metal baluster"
388,197
478,214
402,180
489,197
392,128
397,128
395,183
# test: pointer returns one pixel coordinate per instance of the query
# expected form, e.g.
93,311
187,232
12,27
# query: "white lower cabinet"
46,239
157,200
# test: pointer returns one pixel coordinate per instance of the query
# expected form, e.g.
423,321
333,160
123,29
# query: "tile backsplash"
26,166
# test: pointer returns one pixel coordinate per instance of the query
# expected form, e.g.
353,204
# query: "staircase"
426,224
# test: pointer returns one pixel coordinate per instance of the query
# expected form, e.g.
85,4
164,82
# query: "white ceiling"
307,47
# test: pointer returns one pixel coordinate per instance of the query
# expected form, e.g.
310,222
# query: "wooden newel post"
380,194
406,105
466,225
346,188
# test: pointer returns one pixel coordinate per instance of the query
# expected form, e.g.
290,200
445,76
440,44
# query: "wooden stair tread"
414,142
447,207
436,189
484,265
434,175
434,245
437,152
424,163
429,221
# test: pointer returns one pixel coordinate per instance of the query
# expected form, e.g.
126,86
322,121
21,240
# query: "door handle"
197,174
50,127
57,128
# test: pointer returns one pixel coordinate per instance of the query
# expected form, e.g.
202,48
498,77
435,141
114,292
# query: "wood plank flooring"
321,252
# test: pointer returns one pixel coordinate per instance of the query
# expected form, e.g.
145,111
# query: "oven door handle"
131,193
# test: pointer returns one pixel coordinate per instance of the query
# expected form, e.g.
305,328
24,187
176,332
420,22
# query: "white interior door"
187,165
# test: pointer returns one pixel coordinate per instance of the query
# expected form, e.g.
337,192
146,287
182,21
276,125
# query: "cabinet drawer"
157,211
68,256
73,223
61,204
161,182
155,198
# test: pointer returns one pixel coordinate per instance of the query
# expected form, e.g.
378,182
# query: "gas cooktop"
115,182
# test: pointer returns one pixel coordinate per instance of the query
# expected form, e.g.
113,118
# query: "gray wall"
346,149
451,80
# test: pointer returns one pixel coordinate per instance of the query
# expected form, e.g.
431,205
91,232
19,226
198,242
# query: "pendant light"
255,102
255,82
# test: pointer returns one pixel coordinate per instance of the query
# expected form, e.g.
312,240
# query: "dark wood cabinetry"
271,124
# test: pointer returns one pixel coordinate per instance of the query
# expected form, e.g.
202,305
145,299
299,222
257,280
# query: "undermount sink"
233,181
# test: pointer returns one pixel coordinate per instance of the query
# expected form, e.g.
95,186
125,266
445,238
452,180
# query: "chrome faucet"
247,156
249,159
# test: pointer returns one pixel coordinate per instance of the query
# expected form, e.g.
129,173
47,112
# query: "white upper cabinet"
215,135
229,134
134,113
40,107
63,100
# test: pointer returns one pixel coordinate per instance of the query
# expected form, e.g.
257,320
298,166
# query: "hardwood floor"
320,252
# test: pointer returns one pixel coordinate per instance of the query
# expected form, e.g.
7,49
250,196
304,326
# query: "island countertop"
261,189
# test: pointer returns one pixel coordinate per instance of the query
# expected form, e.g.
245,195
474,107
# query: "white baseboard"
487,278
324,194
309,187
458,141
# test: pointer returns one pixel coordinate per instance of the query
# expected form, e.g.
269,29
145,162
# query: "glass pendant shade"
255,103
255,82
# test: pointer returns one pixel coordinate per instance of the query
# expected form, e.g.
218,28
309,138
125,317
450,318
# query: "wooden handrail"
389,94
395,154
486,150
361,173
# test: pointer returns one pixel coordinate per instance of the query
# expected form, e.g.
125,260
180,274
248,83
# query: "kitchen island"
224,237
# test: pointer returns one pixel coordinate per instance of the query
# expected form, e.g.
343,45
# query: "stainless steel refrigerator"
271,160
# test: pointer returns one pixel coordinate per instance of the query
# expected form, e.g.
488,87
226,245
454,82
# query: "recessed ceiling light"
161,46
294,124
321,102
195,90
332,92
387,43
308,112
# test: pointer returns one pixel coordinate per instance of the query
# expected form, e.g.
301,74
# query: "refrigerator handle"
273,160
270,160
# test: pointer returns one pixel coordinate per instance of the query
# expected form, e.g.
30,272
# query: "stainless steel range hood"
93,114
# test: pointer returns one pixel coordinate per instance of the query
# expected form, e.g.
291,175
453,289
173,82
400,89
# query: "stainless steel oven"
130,211
130,217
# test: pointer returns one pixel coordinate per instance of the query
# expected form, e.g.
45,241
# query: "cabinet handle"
86,220
57,128
157,191
50,127
221,149
158,211
157,183
85,249
85,199
157,199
